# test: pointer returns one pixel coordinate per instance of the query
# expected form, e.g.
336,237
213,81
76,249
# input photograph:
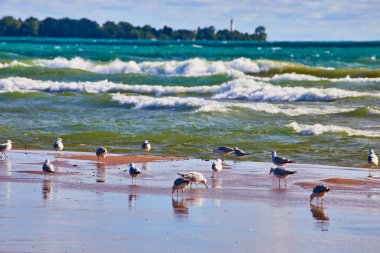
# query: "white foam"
12,84
207,105
310,78
294,110
13,64
319,129
143,102
249,89
191,67
373,110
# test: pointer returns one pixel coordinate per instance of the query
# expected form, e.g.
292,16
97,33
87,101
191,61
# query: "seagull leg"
285,182
279,185
212,174
369,170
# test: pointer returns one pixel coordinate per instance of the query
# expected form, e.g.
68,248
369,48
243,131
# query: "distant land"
85,28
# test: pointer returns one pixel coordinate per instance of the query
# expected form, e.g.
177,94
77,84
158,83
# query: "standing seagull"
194,177
319,192
47,167
239,153
216,166
133,171
223,150
5,147
373,161
279,161
180,184
58,145
101,152
281,174
146,146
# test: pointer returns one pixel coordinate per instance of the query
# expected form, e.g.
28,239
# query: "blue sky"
284,19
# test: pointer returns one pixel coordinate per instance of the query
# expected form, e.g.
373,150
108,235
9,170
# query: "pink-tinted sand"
94,207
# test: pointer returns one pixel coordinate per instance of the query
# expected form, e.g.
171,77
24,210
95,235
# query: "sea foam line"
318,129
207,105
191,67
12,84
238,89
310,78
249,89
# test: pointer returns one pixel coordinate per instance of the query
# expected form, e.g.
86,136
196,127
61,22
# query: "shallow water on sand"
95,208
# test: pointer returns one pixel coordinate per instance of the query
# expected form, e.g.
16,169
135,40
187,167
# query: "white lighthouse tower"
232,28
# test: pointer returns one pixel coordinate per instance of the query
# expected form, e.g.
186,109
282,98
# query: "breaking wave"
191,67
207,105
319,129
239,89
249,89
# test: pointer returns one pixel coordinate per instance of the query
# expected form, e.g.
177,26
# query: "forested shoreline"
85,28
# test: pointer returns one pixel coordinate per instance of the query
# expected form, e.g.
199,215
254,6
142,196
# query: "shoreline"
94,207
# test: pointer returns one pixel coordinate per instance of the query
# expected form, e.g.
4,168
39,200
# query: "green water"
314,102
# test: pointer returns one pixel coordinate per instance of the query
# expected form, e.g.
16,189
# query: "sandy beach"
93,207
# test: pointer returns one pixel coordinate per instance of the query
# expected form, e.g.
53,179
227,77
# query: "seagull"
373,161
281,174
146,146
101,152
5,147
47,167
180,184
223,150
279,161
319,192
194,177
216,166
58,145
239,153
133,171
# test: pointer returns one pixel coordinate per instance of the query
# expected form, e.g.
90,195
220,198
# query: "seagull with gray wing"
319,192
280,161
281,174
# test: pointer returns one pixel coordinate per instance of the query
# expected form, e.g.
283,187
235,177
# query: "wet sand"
93,207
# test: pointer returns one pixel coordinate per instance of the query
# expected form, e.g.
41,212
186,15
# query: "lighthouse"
232,25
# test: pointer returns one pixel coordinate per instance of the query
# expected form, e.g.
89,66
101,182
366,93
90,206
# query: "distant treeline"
85,28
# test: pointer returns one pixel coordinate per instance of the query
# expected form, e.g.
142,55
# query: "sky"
284,20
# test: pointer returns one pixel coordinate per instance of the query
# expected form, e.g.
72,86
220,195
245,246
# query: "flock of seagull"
197,177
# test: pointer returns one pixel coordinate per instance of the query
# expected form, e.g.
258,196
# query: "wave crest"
319,129
252,90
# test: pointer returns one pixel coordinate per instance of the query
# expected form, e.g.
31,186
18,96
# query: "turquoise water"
314,102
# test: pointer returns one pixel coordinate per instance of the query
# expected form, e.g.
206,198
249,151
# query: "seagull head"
9,141
59,139
132,165
47,161
273,153
271,171
204,181
146,141
371,151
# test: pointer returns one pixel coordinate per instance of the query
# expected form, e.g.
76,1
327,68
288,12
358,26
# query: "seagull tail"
293,172
182,175
291,161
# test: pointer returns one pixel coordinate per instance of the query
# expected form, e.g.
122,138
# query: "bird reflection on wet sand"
145,166
101,173
320,216
216,182
47,189
181,206
132,200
